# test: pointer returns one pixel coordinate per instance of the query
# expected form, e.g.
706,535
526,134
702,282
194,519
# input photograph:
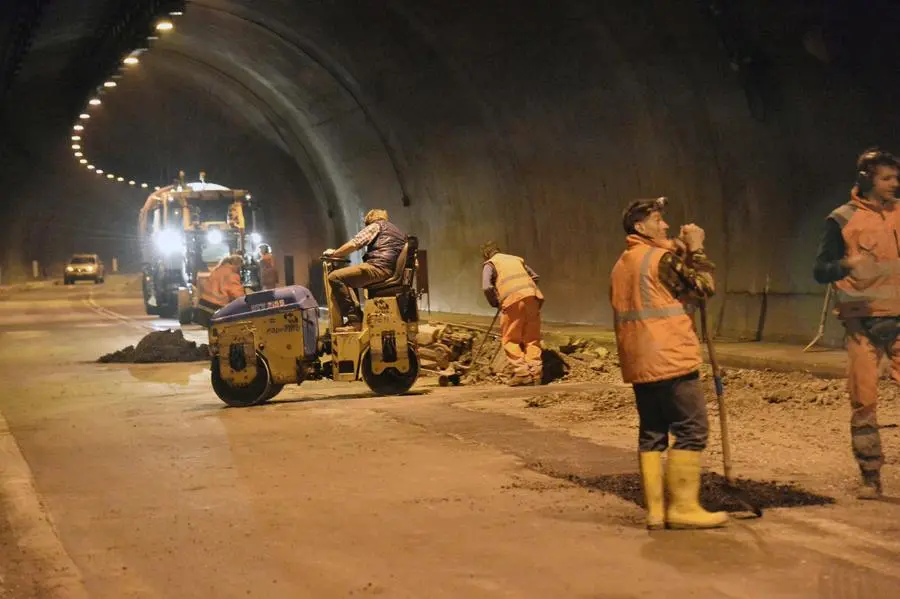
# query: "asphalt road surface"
123,481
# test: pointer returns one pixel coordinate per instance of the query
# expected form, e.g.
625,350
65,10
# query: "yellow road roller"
266,340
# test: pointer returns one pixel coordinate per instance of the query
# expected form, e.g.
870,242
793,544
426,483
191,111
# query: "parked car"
84,267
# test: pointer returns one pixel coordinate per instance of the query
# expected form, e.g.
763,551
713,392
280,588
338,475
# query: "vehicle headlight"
70,268
214,236
256,238
168,241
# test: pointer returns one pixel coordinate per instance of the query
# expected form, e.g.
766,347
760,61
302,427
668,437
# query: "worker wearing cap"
511,286
268,274
653,284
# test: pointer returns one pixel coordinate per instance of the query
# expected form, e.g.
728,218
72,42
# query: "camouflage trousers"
865,352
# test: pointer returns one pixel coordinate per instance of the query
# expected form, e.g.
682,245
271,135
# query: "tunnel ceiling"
526,122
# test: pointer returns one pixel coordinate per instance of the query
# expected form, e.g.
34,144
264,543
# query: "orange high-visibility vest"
223,285
513,281
654,331
875,233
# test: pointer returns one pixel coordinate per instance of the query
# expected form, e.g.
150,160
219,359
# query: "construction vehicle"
263,341
184,230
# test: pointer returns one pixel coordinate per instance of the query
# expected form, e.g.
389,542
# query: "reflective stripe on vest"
647,299
870,231
513,281
654,332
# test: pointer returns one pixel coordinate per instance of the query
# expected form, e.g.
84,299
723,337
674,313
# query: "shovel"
737,494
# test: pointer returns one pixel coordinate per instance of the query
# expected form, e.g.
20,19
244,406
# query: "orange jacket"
223,285
513,281
654,332
873,231
268,274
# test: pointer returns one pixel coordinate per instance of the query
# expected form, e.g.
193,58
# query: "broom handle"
720,394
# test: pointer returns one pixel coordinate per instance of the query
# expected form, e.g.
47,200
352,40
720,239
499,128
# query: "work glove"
862,267
693,237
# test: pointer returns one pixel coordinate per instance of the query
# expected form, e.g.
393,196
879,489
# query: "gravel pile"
160,346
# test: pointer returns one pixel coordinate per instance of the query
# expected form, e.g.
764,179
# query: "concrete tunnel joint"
344,79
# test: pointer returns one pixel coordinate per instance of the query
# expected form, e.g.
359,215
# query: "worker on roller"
222,287
510,285
653,285
383,242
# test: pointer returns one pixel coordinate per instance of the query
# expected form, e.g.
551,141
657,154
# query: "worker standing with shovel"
653,283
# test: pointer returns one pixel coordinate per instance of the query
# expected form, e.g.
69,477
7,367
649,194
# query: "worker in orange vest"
222,286
859,255
268,273
659,352
511,286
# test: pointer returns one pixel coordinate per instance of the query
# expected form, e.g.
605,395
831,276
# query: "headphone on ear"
864,170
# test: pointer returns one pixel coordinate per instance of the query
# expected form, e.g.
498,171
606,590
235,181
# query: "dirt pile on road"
160,346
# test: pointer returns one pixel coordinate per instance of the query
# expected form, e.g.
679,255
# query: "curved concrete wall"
531,123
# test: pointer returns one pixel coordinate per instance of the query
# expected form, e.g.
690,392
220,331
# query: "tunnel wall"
534,124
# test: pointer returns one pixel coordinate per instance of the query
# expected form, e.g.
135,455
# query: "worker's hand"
329,253
862,267
693,237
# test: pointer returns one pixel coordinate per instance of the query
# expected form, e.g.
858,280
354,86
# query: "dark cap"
638,210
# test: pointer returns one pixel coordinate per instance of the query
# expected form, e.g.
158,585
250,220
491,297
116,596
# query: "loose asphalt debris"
714,493
160,346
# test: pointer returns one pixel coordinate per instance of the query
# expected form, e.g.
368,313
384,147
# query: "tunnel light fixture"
110,176
131,182
76,146
131,60
156,188
94,102
76,138
165,25
78,128
109,83
144,186
83,161
120,179
175,13
78,154
90,167
99,171
84,116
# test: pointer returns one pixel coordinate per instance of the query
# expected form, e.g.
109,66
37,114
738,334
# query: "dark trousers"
344,280
675,406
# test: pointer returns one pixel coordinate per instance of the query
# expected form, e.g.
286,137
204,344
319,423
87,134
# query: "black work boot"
870,487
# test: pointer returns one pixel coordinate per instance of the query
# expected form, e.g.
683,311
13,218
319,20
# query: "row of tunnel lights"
77,137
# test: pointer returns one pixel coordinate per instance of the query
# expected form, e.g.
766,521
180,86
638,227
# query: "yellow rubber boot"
683,480
652,482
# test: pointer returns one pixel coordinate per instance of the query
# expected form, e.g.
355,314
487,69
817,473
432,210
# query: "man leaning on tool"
511,286
860,254
659,352
383,242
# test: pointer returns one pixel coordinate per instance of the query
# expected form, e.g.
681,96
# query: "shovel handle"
720,393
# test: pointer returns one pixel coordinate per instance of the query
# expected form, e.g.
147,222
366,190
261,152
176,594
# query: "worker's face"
885,182
653,227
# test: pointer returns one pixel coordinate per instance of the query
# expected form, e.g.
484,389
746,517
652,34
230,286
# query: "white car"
84,267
